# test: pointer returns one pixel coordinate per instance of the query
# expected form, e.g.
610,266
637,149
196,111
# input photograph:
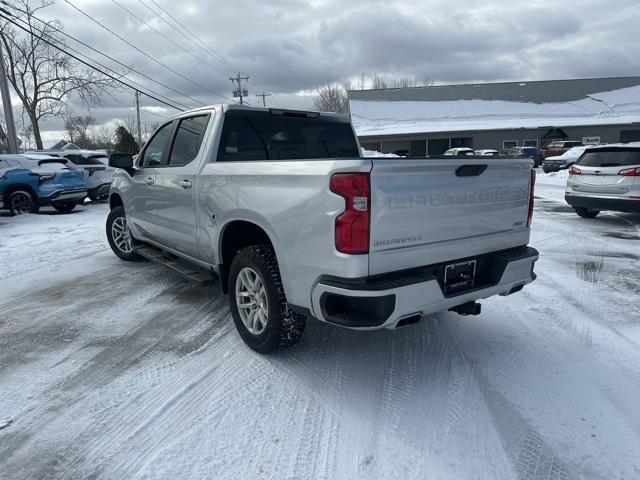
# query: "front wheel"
21,202
258,304
586,212
119,236
64,207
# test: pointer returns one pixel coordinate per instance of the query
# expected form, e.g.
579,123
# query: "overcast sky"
291,46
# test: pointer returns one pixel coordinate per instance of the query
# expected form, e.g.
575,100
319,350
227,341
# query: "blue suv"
25,186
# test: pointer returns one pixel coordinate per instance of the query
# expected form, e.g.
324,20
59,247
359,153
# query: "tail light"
575,170
43,177
352,226
531,199
630,172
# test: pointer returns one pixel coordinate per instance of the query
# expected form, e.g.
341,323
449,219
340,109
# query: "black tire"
284,327
64,207
129,256
586,212
99,198
22,201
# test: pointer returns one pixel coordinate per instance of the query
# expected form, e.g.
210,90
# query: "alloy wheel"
121,235
252,302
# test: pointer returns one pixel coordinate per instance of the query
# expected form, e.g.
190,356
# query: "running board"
189,271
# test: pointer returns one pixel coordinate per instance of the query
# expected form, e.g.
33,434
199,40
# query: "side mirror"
121,160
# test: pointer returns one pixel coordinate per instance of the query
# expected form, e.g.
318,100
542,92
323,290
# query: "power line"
139,87
201,44
153,113
166,37
4,14
145,53
62,32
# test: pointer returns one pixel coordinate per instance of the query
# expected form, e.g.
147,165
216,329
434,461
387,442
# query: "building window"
530,143
509,144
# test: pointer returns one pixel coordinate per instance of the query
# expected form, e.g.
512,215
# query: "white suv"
605,178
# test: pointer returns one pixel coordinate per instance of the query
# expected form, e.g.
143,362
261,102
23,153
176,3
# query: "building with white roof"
429,120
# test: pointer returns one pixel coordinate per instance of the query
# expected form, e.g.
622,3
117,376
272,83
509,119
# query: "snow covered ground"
110,370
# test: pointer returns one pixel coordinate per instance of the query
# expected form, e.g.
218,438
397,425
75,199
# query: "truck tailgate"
427,211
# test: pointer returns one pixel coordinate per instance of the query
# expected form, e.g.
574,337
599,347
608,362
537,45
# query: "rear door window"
610,158
188,140
265,136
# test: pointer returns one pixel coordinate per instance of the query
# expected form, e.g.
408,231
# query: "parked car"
25,186
486,153
531,152
555,149
98,175
296,224
568,158
605,178
459,152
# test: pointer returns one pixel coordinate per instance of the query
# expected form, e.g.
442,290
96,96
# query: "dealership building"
429,120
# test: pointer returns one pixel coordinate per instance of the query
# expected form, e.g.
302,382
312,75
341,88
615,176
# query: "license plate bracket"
459,277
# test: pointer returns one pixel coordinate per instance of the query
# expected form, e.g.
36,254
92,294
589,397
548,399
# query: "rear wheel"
258,304
21,202
586,212
119,236
64,207
104,198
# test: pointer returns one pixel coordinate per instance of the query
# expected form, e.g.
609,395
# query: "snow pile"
384,117
560,176
373,153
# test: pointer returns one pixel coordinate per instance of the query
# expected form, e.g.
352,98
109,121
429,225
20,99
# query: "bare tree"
78,129
148,129
103,138
43,77
331,97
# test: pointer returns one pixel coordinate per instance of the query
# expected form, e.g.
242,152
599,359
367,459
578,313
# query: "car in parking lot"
97,173
459,152
561,162
486,153
26,186
605,178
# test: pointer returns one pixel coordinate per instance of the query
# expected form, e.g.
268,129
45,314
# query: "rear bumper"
603,203
63,196
385,300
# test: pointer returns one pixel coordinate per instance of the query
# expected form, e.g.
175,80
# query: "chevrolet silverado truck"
280,208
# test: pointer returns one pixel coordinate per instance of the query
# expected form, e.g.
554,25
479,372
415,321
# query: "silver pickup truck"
281,207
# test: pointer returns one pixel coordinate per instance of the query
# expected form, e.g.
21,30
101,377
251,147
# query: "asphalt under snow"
112,370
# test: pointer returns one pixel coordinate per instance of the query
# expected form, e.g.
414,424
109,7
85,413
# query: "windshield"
614,157
262,136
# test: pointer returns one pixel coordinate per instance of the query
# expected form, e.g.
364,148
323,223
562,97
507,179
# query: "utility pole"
240,92
139,128
263,95
8,108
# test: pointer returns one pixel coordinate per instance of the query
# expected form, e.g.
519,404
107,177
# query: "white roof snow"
371,117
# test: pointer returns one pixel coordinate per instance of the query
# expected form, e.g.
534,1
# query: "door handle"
149,181
185,183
